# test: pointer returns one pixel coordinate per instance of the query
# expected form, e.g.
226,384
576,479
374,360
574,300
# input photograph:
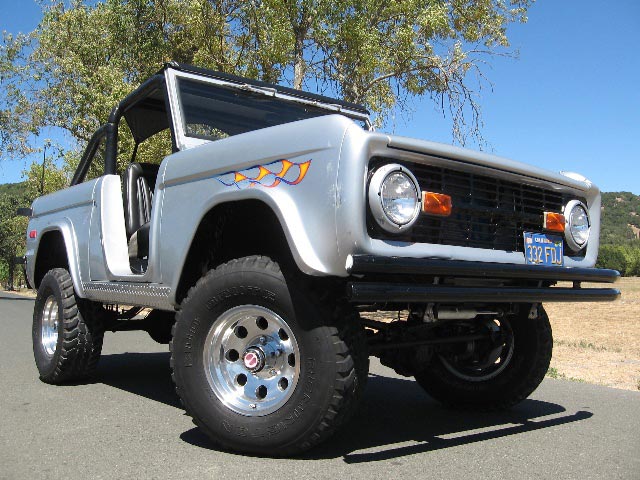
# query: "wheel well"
233,230
52,253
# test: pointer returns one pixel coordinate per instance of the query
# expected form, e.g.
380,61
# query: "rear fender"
56,247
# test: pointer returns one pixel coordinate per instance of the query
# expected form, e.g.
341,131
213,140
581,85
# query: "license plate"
543,249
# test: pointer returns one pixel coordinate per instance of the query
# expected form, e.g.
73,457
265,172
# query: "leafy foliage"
13,196
12,234
85,56
624,258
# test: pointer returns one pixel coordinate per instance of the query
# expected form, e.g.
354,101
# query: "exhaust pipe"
455,313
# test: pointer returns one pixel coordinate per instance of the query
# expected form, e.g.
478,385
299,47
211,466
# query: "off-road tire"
533,344
333,359
80,331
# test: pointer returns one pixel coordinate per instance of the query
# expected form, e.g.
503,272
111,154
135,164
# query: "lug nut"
263,340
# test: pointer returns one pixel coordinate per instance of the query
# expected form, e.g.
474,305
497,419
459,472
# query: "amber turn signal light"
554,221
436,204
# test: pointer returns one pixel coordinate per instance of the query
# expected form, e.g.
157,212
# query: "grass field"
599,342
593,342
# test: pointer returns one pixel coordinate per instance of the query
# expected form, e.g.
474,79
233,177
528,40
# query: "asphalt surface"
128,424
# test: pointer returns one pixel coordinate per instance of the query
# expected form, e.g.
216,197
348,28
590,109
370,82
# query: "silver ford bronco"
263,245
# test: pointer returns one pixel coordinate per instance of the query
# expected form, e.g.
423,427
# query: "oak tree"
84,57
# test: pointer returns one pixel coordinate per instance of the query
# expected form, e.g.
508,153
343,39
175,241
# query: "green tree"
632,256
12,227
612,256
84,57
43,179
624,258
12,235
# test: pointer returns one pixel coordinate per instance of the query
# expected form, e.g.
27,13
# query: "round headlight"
578,225
394,198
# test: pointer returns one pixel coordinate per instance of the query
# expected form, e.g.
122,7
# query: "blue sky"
571,101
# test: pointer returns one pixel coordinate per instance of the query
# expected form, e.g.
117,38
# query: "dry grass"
599,342
593,342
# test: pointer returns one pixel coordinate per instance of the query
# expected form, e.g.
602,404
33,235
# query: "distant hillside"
620,219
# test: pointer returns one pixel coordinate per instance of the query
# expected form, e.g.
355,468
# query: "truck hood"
486,160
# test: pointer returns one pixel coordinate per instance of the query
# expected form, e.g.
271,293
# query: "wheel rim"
493,363
49,327
251,360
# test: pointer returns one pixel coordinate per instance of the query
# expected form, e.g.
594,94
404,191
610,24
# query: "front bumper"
374,288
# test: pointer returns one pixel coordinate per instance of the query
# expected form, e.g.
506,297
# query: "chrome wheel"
49,326
484,362
251,360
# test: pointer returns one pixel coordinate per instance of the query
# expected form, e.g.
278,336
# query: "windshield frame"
185,141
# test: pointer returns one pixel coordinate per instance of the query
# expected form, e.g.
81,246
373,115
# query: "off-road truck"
265,241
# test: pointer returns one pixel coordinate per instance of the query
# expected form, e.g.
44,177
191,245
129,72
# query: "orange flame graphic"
241,179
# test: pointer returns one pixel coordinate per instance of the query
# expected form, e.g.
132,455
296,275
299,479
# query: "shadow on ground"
144,374
394,412
16,297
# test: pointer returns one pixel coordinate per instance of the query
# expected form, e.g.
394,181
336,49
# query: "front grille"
488,212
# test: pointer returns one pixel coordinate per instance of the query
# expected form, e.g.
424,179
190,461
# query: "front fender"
291,168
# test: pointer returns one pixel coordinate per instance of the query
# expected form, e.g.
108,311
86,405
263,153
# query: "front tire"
67,331
518,369
261,364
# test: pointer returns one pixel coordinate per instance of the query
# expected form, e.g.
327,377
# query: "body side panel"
69,212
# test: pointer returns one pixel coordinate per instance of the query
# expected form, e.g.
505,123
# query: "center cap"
253,359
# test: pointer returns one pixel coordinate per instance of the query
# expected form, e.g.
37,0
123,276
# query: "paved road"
128,424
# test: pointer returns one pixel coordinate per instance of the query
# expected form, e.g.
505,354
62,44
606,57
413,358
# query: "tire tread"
82,334
508,395
347,337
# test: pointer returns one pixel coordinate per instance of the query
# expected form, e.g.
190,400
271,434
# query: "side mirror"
24,212
19,261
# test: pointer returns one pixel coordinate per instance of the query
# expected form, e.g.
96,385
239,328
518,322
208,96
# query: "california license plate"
543,249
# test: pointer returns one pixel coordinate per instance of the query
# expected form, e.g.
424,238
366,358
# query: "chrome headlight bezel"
573,242
376,206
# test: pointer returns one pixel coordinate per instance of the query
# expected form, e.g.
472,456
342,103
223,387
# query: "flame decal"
267,176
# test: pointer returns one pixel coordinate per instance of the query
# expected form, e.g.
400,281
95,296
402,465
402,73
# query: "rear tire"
67,331
233,382
496,387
